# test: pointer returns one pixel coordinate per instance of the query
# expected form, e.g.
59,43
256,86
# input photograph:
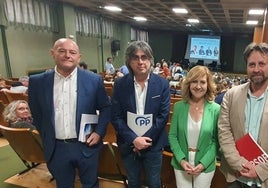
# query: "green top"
207,145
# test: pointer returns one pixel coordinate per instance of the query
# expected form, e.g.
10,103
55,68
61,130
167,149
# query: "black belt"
69,140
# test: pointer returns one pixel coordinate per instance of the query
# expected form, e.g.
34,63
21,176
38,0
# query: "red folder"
251,150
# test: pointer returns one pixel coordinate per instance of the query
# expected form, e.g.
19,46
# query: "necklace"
197,108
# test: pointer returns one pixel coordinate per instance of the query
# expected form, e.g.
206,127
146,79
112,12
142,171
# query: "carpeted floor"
10,164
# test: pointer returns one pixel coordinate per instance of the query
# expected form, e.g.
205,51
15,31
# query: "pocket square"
155,96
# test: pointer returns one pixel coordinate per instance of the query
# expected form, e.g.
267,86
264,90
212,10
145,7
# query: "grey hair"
259,47
132,49
9,112
24,78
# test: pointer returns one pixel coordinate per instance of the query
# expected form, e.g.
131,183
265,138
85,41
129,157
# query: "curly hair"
9,112
195,73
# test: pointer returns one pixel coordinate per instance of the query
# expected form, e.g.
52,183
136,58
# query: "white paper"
85,125
140,124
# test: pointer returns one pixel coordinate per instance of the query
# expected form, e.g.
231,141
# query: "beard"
258,79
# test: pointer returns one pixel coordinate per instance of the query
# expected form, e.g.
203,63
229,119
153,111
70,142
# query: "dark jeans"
238,184
150,161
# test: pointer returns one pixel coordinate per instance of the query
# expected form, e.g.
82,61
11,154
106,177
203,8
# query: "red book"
251,150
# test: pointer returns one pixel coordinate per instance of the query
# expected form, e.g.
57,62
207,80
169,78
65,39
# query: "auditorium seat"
27,145
2,107
213,66
167,172
109,167
3,97
16,96
218,180
200,62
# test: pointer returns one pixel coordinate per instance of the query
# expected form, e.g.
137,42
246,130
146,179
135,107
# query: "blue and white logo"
143,121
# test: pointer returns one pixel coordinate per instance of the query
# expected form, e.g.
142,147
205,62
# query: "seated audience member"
166,71
220,91
83,65
21,86
158,69
3,86
108,78
109,68
118,74
124,69
18,115
177,71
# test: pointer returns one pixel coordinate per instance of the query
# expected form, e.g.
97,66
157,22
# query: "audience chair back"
110,135
167,172
2,107
109,167
16,96
26,143
109,91
3,97
10,82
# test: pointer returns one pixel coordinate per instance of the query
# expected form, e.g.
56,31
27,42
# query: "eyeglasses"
137,58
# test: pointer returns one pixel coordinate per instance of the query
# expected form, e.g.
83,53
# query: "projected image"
204,48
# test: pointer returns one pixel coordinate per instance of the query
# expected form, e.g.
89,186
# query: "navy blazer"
157,103
91,96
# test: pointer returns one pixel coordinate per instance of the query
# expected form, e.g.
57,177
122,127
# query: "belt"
193,149
69,140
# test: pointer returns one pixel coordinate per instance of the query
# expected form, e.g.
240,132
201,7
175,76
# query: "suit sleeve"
225,134
104,107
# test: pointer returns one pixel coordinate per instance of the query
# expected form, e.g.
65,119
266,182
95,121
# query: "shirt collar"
145,80
70,76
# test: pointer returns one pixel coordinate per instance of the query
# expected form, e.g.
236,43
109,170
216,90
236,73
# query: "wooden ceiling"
216,16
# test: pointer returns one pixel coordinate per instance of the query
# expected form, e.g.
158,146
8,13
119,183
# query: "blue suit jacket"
91,96
157,103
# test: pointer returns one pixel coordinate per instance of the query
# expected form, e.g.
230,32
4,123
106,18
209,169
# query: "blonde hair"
9,112
195,73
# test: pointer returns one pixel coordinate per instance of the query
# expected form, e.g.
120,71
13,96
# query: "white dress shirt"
65,99
140,95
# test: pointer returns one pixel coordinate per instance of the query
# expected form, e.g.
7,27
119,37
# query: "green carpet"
10,164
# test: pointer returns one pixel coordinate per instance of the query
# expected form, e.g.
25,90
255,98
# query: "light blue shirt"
253,113
124,69
109,68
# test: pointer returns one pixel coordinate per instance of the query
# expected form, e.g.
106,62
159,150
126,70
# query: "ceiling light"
180,10
252,22
256,11
190,20
140,19
205,30
113,8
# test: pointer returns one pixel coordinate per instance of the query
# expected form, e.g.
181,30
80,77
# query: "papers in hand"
140,124
251,150
86,126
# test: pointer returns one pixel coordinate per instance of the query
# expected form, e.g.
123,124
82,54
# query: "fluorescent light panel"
256,11
113,8
180,10
252,22
140,19
191,20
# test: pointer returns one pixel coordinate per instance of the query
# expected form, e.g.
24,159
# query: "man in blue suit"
58,98
146,97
